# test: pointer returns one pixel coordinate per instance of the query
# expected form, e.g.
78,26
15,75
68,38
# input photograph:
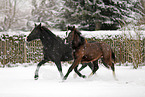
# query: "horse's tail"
113,55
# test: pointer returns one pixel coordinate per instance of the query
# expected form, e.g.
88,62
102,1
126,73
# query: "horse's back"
106,50
99,48
92,51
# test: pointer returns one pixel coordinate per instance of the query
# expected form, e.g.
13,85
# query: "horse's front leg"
75,63
76,70
84,65
37,69
59,67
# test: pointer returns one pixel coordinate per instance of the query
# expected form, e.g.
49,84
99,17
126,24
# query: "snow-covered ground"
19,82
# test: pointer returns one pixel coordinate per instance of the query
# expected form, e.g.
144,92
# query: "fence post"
5,49
120,56
25,52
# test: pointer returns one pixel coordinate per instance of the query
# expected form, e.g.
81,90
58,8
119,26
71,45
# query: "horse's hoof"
83,76
36,77
90,75
64,78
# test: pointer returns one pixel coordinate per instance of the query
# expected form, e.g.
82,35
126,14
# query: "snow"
101,34
19,82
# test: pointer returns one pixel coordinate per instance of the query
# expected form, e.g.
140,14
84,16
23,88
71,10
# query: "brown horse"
84,52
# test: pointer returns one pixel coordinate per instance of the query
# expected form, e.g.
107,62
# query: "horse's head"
70,36
35,33
74,37
71,28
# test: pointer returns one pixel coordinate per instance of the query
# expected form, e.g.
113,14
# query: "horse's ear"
35,25
68,28
73,28
39,25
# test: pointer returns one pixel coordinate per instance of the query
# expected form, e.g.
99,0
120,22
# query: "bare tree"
12,16
9,12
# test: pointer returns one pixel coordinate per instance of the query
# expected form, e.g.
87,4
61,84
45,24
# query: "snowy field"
19,82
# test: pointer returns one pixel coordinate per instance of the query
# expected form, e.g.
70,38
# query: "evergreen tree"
101,14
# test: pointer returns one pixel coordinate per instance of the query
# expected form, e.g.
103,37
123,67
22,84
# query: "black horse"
54,49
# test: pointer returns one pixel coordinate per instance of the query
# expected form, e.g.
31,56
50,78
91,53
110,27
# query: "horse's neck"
78,42
46,41
50,42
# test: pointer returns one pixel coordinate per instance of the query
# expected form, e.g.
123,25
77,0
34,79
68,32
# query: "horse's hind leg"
95,68
87,64
91,65
113,69
108,62
83,66
37,69
103,61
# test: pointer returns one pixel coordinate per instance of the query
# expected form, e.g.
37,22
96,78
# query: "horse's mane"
80,35
53,36
82,39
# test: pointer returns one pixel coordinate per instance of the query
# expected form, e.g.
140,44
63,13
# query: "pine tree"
103,14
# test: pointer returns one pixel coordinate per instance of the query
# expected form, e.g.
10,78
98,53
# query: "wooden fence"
16,50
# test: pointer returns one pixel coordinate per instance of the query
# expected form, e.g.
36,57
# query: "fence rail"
16,50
